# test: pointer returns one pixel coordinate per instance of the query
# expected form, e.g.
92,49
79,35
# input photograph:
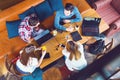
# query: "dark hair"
69,6
25,56
33,20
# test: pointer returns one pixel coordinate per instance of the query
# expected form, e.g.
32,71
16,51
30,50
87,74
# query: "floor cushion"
43,10
12,28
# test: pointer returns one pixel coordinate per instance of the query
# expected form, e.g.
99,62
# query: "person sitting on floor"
69,14
30,27
74,56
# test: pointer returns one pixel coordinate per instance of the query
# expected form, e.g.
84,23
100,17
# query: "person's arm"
65,53
57,22
41,26
77,15
23,32
80,48
41,59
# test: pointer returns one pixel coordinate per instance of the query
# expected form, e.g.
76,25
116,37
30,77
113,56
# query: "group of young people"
31,57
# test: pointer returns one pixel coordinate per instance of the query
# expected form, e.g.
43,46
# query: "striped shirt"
27,32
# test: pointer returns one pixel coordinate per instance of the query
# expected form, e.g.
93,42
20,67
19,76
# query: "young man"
30,27
66,16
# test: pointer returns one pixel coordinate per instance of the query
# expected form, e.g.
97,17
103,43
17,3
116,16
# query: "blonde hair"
73,49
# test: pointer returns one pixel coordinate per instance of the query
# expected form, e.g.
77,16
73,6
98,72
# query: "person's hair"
33,20
69,7
25,55
73,49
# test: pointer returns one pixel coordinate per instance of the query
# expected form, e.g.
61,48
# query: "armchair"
109,10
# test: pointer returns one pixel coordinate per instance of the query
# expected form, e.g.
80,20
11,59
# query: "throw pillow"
56,4
43,10
36,75
12,28
116,5
26,13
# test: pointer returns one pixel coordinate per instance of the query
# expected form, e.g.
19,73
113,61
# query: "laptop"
90,26
43,37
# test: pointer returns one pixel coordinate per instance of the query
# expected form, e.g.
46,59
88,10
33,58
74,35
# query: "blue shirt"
61,16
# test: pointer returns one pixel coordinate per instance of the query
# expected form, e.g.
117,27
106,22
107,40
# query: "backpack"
97,47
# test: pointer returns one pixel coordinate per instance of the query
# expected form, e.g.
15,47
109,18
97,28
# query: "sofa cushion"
108,14
27,12
43,10
12,28
116,5
55,4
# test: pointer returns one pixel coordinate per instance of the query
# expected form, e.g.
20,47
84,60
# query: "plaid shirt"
26,32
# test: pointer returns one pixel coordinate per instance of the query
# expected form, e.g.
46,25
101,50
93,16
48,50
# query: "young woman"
30,58
30,27
74,56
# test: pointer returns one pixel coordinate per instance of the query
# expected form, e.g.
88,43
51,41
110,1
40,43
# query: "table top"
60,38
55,54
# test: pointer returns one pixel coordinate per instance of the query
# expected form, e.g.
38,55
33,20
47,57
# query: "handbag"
97,47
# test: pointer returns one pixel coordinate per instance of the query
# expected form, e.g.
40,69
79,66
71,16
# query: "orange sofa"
13,45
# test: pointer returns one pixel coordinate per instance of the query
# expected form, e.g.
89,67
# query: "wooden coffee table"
60,38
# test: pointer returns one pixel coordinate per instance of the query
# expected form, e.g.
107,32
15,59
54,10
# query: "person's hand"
44,52
70,29
43,48
66,21
30,40
37,28
38,48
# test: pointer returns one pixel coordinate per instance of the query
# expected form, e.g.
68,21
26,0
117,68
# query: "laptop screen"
90,26
43,37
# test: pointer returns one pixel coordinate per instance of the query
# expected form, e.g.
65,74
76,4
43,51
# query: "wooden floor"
50,71
90,58
4,4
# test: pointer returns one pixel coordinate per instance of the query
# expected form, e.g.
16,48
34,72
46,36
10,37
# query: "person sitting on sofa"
30,27
74,56
30,59
69,14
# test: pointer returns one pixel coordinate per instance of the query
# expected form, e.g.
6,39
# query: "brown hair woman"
74,56
30,58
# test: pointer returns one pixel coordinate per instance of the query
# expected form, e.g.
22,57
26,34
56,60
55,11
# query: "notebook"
43,37
76,36
90,26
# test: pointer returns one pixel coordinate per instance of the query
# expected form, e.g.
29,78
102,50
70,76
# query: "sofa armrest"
101,3
116,23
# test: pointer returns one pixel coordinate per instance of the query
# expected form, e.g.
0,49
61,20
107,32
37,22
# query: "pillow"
56,4
26,13
12,28
43,10
116,5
